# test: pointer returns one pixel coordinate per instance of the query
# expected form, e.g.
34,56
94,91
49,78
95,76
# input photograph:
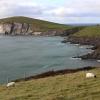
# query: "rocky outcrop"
95,41
84,40
93,55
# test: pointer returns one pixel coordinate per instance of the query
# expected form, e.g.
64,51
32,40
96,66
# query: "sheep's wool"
90,75
10,84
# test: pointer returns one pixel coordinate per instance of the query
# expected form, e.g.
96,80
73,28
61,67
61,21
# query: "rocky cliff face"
16,29
26,29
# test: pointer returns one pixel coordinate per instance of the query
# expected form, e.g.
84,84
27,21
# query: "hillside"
30,26
35,22
89,31
90,35
62,87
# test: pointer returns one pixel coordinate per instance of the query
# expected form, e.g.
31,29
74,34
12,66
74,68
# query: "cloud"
27,11
61,11
19,7
78,8
58,10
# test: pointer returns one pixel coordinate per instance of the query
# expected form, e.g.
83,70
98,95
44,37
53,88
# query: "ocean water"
26,56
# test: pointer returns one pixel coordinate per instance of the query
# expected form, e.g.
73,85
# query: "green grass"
90,31
42,25
62,87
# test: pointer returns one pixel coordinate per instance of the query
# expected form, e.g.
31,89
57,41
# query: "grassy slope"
90,31
35,22
63,87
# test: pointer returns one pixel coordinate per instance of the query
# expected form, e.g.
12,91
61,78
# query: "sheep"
90,75
98,60
11,84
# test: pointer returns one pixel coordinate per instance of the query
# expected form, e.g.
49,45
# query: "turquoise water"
33,55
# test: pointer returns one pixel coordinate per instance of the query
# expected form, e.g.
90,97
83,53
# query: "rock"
64,41
95,41
94,55
84,40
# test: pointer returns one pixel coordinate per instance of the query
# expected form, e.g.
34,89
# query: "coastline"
54,73
95,42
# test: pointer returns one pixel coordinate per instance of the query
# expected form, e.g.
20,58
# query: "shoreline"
54,73
95,42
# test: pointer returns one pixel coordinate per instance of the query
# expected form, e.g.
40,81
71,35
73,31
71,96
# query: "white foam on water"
75,58
77,44
82,47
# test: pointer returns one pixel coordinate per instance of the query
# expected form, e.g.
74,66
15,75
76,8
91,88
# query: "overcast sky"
61,11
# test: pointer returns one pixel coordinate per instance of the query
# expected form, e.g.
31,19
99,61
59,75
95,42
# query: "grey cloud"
74,11
27,10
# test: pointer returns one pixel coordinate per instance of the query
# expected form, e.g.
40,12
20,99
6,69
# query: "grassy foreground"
89,32
62,87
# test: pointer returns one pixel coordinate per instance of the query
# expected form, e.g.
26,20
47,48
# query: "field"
72,86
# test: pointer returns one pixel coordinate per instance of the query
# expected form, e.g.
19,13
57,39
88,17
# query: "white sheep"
11,84
90,75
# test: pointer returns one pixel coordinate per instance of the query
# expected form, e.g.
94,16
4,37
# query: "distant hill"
30,26
42,25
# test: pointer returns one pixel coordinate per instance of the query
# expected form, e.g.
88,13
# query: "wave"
72,58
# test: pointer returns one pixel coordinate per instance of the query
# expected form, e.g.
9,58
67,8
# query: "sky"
60,11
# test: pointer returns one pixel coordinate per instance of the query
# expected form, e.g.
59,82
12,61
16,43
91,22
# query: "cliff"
16,29
30,26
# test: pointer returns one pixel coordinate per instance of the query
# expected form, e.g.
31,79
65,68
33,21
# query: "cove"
26,56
